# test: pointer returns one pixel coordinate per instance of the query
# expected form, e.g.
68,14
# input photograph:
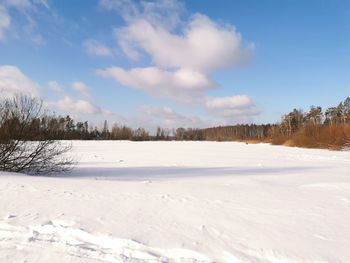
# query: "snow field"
181,202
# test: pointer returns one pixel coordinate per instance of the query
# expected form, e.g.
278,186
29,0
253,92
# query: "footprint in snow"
10,216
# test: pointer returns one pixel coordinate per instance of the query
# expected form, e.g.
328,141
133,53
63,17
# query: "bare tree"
24,144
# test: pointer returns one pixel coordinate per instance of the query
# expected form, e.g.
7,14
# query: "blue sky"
176,63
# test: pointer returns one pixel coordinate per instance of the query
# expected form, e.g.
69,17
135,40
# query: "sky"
176,63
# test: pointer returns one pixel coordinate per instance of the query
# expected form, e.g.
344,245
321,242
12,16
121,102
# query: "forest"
315,128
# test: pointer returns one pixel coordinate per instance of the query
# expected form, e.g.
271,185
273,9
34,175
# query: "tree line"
313,128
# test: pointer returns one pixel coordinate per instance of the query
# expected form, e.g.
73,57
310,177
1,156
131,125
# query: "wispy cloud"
5,21
13,81
81,88
166,13
93,47
18,18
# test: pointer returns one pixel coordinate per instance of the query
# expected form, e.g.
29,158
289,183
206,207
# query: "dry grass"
279,139
327,137
253,141
336,137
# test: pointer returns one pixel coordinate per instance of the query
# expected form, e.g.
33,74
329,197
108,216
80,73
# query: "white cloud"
93,47
5,21
82,88
67,103
165,12
25,22
180,84
55,87
128,50
204,45
239,101
183,55
166,117
229,110
238,107
75,106
13,81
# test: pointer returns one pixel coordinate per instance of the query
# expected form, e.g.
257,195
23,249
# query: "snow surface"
181,202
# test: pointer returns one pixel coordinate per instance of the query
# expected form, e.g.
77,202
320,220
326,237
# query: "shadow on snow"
148,173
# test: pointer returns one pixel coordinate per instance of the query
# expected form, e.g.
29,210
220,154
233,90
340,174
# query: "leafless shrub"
24,144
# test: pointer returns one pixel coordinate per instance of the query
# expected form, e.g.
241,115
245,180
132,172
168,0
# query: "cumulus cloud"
153,116
198,43
55,87
93,47
69,104
183,53
235,107
180,84
13,81
204,45
82,88
75,106
228,110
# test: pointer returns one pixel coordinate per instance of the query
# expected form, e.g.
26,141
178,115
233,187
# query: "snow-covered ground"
181,202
